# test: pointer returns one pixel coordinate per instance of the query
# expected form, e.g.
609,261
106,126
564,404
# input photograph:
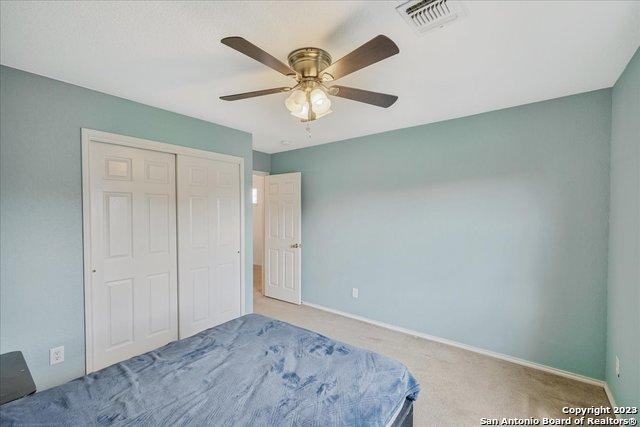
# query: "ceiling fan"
312,68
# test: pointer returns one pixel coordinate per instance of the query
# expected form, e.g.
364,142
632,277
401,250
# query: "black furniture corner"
405,416
15,378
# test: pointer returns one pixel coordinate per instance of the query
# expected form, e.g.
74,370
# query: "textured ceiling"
169,55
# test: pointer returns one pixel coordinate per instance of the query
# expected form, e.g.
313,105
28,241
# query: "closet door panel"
209,243
133,252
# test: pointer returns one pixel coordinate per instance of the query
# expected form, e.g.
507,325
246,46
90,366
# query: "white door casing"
283,244
133,251
208,242
258,220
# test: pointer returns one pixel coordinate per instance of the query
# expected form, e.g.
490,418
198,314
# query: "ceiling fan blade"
253,94
376,49
253,51
374,98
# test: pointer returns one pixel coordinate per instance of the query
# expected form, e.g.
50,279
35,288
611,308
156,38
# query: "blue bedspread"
250,371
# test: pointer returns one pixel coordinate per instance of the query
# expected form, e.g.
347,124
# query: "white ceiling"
169,55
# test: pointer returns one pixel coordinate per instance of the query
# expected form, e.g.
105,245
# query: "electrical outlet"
354,292
617,367
56,355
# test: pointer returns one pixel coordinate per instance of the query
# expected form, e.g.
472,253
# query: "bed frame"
405,416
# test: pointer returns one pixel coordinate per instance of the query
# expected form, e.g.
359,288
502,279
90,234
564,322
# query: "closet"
163,233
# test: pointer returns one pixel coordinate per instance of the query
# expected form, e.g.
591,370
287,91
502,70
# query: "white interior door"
133,251
209,243
283,243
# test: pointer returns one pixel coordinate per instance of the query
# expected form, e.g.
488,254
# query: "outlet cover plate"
56,355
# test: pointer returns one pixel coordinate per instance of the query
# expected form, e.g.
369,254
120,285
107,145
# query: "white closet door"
209,243
283,237
133,252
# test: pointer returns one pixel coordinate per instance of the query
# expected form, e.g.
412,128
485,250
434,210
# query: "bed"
253,370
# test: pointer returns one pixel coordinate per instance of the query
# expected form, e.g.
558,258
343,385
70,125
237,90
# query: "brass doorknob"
296,245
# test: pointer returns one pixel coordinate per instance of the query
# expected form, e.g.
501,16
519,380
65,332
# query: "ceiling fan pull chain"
307,127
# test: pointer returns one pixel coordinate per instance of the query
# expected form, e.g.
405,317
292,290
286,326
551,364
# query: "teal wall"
623,314
489,230
497,220
261,161
41,287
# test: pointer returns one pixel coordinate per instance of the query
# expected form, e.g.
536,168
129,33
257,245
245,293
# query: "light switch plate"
56,355
354,292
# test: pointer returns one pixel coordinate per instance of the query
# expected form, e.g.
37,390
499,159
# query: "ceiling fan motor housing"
309,61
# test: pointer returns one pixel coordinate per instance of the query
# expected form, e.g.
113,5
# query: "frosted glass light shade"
299,106
296,101
303,113
320,102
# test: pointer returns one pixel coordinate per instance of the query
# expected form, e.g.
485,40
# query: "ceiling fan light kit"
300,100
312,67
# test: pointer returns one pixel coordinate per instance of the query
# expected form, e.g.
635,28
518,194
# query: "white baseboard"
490,353
612,401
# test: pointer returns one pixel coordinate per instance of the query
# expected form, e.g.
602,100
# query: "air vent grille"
424,15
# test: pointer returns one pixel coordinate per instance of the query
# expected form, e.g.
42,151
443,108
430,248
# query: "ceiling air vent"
424,15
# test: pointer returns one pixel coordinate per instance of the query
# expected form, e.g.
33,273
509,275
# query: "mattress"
250,371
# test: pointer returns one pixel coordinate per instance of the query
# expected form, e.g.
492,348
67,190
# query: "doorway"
277,234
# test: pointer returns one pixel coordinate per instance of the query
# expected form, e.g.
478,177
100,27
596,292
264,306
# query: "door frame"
262,240
91,135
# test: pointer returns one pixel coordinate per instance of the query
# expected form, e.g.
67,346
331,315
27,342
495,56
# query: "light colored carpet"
459,387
